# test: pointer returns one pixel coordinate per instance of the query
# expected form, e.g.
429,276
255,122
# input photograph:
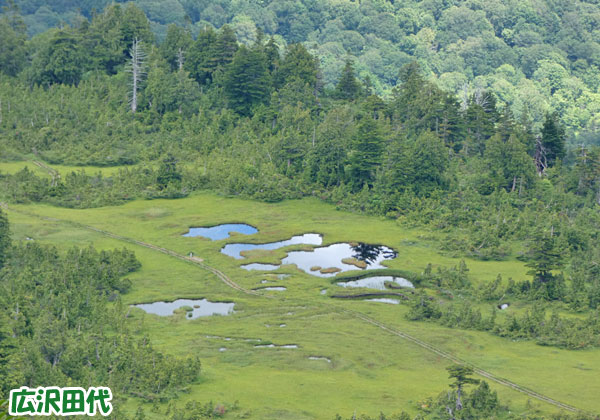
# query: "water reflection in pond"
259,266
235,250
377,282
194,308
364,256
219,232
384,300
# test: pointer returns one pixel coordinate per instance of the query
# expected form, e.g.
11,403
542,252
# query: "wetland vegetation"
418,237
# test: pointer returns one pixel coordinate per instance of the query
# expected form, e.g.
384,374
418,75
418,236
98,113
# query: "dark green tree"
553,139
365,154
546,256
58,59
246,81
13,36
348,86
168,174
175,46
297,64
4,238
462,376
200,59
429,162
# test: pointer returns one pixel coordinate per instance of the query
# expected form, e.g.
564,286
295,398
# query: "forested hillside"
535,56
475,124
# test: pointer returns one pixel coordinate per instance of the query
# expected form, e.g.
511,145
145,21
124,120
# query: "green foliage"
4,238
348,87
247,81
57,320
553,139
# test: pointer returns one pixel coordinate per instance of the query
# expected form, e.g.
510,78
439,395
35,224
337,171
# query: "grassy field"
370,370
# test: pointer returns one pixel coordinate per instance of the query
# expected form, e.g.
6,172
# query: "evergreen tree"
58,59
461,375
298,64
4,238
429,162
553,139
246,81
365,155
175,46
200,61
545,256
348,86
12,46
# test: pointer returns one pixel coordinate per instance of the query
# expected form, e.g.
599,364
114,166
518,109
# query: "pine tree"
298,64
553,138
348,86
366,153
175,46
544,257
200,62
461,375
4,238
247,82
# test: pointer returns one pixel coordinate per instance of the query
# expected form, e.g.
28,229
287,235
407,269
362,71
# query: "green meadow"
369,370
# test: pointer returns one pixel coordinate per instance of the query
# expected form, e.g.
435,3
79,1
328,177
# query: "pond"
384,300
327,359
195,308
259,266
284,346
377,282
328,260
216,233
235,250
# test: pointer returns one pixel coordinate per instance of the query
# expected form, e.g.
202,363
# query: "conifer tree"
348,86
461,375
366,153
4,238
246,81
553,139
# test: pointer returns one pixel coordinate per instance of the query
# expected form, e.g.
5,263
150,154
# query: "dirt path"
358,315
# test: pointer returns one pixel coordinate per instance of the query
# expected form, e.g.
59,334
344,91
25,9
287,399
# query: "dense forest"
476,120
535,56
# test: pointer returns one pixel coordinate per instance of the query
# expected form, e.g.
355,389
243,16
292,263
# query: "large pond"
219,232
235,250
328,260
195,308
377,282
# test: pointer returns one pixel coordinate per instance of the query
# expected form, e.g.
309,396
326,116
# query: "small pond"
327,261
284,346
259,266
199,307
384,300
377,282
274,288
235,250
328,360
219,232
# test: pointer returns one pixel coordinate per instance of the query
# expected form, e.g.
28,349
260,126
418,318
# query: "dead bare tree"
180,59
137,70
539,156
